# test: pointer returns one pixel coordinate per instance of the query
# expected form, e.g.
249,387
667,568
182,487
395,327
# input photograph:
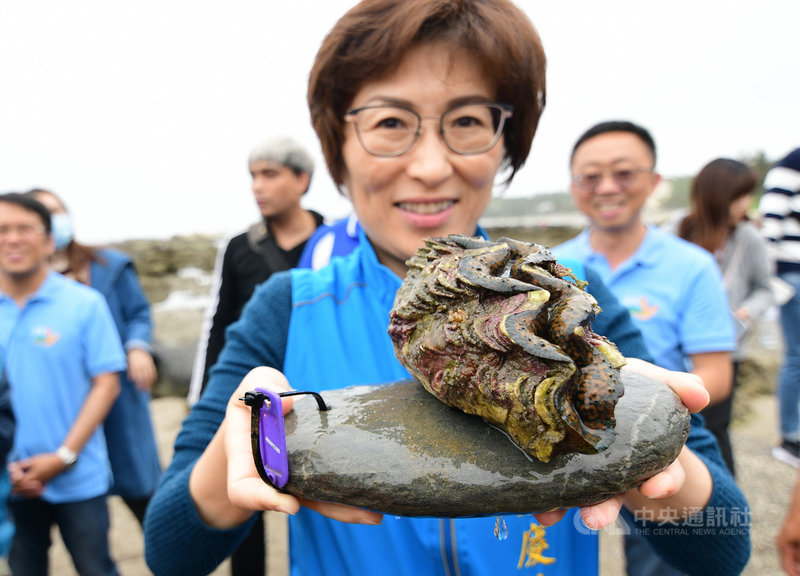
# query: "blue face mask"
62,230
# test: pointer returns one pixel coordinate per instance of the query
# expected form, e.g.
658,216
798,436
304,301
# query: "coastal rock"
396,449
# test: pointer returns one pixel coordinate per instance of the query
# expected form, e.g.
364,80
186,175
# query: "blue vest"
337,338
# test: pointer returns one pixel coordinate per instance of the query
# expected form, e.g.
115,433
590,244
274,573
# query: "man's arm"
716,370
705,326
104,391
29,476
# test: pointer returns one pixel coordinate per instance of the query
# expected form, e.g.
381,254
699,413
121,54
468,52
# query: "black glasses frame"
505,111
624,178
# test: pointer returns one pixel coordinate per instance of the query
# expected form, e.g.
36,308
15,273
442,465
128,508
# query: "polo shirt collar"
50,286
646,255
650,248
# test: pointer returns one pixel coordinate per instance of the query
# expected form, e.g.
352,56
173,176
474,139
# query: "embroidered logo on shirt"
640,308
44,336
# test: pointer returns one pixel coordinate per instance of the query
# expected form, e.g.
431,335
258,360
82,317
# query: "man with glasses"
672,288
62,357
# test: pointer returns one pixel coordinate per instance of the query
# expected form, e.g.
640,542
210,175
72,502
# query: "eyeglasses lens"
622,178
24,230
466,129
386,130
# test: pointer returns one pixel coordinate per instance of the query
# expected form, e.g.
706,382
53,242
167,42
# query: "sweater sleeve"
713,541
779,213
177,541
758,268
224,314
135,310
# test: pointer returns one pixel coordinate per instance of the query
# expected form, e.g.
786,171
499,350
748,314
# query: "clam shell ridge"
503,331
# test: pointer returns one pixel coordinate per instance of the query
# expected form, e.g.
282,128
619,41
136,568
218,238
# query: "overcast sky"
141,114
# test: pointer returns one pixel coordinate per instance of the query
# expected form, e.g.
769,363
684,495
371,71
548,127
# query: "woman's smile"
429,190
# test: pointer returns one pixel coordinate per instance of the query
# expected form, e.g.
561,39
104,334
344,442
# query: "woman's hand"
142,369
667,483
243,489
689,387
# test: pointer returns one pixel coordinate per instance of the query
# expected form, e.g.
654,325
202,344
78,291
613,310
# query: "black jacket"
249,259
6,419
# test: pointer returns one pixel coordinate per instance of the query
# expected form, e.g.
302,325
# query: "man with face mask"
62,231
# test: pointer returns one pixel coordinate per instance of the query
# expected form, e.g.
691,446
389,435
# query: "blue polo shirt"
62,338
673,291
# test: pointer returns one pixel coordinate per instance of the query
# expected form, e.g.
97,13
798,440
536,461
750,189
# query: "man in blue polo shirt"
62,357
672,288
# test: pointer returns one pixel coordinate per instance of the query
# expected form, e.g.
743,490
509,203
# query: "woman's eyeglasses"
466,129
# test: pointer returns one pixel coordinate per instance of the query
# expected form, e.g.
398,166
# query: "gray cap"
285,151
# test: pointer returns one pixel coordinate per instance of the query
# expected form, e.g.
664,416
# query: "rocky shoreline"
176,274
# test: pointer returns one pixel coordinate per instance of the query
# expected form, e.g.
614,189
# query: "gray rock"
174,362
397,449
